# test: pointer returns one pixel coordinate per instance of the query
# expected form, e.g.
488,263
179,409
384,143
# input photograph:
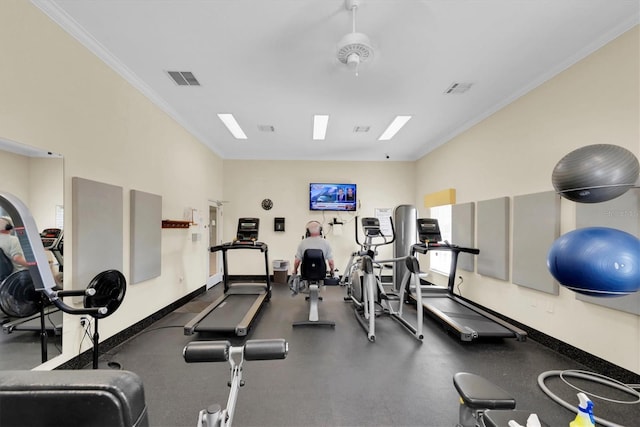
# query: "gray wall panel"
463,232
493,238
97,229
621,213
146,236
536,225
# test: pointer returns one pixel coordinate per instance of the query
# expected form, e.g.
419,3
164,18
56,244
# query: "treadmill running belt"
227,315
466,318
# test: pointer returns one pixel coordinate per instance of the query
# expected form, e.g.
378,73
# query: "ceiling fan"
354,48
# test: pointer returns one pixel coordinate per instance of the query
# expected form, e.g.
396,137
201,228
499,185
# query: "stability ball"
596,261
595,173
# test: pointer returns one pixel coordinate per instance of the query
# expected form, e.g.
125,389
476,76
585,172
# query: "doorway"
215,271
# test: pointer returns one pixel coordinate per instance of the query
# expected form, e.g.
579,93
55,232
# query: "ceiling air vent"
359,129
183,78
266,128
458,87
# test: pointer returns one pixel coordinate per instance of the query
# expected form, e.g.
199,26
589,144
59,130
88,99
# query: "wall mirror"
37,178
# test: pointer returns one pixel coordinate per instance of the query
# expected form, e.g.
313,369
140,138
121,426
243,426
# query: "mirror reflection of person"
350,196
341,197
10,245
314,241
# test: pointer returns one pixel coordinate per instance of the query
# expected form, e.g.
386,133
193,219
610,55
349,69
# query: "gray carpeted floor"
336,377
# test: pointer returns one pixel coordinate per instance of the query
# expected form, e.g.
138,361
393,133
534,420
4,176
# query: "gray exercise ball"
595,173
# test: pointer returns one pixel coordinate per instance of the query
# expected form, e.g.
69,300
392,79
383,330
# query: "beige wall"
15,175
514,152
286,183
46,190
38,182
56,95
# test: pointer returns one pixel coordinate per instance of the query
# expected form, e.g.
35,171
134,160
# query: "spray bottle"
584,418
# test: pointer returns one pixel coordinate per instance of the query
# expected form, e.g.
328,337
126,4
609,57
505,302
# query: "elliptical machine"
364,284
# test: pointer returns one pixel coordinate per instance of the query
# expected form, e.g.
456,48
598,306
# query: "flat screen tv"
332,197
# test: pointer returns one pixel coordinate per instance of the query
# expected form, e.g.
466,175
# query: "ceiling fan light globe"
353,59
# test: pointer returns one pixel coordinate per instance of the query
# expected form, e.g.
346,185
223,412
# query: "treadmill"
455,313
235,311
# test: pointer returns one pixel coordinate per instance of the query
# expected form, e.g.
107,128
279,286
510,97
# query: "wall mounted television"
332,197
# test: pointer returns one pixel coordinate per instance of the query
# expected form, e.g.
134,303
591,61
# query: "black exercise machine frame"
262,247
242,328
465,335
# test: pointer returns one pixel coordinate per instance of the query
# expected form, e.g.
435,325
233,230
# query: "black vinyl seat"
477,394
61,398
313,267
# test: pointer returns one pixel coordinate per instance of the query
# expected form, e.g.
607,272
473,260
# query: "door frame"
216,278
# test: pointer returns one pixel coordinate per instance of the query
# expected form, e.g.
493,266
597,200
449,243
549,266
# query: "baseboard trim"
86,357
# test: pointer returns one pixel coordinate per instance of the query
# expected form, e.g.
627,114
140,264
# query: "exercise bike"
222,351
364,285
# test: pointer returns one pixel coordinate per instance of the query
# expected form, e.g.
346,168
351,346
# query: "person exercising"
314,240
10,245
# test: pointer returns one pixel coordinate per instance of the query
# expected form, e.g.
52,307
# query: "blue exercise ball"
595,173
596,261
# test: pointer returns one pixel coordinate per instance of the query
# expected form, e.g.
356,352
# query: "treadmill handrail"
232,245
423,248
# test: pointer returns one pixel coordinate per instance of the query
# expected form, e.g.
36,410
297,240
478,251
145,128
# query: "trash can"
280,271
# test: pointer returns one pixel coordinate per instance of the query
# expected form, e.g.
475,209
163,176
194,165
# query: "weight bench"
313,270
97,398
478,394
484,404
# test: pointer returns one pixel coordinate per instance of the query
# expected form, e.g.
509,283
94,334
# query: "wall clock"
267,204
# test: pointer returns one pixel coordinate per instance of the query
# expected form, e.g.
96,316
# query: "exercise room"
320,213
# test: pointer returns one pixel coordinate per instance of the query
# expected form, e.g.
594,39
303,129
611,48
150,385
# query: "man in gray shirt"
10,244
314,240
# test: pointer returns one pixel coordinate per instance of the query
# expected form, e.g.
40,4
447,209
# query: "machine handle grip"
261,246
473,251
206,351
393,232
266,349
76,293
91,311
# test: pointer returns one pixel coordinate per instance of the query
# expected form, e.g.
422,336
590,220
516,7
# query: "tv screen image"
332,197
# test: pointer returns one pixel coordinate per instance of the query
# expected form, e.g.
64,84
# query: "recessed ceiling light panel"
233,126
320,123
394,127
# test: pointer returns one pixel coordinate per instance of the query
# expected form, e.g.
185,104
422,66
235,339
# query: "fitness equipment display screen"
332,197
429,230
247,229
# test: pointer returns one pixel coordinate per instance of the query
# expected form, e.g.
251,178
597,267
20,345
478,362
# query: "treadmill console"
429,230
247,230
49,236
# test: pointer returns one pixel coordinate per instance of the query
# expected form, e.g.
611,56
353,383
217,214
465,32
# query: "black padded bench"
478,394
97,398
